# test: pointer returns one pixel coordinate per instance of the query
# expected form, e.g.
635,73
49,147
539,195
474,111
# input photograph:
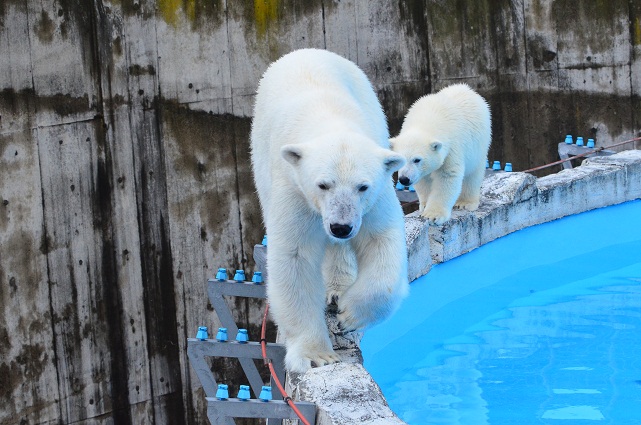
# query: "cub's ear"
292,153
393,161
436,146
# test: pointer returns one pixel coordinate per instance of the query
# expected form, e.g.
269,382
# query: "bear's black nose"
404,181
341,231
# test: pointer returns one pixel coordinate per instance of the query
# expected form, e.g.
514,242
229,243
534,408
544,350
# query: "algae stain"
169,11
637,31
197,13
265,12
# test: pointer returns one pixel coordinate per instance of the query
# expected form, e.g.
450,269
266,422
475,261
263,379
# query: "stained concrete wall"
124,168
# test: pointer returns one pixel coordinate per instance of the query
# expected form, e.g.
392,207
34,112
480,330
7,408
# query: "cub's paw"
436,216
467,205
301,361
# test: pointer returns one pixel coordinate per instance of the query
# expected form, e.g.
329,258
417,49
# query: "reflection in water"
545,342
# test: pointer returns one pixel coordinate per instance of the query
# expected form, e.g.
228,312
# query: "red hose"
263,346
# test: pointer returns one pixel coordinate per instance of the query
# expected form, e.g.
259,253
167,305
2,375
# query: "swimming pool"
540,326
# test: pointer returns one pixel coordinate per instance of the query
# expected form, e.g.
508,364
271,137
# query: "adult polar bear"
319,143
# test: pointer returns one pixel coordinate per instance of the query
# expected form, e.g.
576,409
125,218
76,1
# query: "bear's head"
341,178
423,155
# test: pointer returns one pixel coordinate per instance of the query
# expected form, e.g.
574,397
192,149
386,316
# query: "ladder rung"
253,408
237,289
251,350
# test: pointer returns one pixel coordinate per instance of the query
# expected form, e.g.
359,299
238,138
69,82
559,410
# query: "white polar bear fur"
317,121
445,139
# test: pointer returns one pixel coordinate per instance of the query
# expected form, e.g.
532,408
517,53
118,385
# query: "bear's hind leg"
471,191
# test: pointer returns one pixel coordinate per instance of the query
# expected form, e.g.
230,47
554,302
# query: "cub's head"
422,154
341,179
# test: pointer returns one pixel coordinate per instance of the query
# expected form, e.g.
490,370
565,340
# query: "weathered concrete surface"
345,393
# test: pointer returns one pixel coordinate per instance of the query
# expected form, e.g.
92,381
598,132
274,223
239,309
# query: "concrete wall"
345,392
124,168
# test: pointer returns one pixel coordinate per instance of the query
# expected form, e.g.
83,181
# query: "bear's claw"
302,362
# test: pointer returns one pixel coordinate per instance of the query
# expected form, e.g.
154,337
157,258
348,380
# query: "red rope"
263,346
580,155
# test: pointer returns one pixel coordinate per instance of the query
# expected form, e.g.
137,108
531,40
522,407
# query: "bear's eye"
363,188
323,186
417,160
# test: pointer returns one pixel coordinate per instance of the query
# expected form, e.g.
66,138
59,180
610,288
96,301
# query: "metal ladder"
222,410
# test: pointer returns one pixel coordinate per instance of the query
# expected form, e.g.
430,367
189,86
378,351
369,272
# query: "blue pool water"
542,326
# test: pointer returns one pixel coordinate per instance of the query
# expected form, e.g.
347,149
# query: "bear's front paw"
436,215
349,322
467,205
300,361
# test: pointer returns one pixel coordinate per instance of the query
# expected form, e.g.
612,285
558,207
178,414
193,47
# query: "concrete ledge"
513,201
345,393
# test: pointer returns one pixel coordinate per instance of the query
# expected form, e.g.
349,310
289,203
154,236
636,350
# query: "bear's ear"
291,153
393,162
436,146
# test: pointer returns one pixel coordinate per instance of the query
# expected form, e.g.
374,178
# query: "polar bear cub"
445,138
323,169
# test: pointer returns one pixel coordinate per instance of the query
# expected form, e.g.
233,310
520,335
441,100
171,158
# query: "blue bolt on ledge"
569,140
264,242
202,333
242,336
221,275
222,393
496,166
221,336
239,276
243,393
508,167
257,278
590,143
265,393
579,141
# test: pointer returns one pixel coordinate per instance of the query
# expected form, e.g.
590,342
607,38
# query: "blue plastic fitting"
221,275
264,242
496,166
202,333
508,167
242,336
590,143
579,141
243,393
412,189
239,276
221,336
265,393
257,278
399,186
569,140
222,393
487,163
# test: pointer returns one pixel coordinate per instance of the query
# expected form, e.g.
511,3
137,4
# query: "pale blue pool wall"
345,393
